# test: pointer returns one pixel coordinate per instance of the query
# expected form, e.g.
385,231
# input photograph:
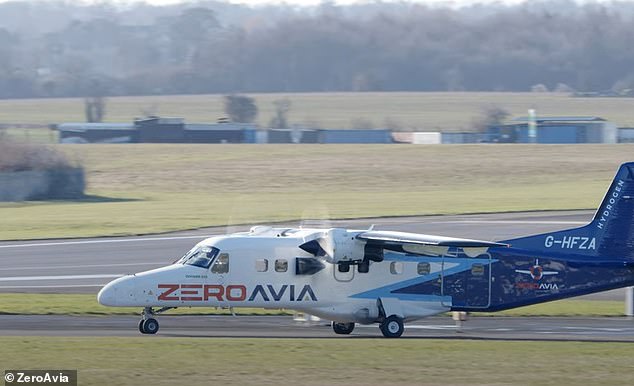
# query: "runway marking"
80,266
104,241
152,239
51,286
418,326
517,222
605,329
62,277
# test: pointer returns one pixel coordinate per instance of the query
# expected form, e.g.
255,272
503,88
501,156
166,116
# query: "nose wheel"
149,325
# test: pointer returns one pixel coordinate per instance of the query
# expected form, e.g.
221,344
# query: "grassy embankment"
453,111
197,361
146,188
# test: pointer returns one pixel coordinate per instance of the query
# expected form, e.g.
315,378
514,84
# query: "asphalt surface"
488,328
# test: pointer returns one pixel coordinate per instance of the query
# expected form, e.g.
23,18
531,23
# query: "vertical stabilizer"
610,234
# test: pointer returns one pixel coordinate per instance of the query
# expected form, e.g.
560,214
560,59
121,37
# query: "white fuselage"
263,272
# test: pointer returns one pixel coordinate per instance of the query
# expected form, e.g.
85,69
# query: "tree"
240,108
95,108
280,120
491,116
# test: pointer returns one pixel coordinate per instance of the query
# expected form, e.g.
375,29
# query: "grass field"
201,361
446,111
86,304
146,188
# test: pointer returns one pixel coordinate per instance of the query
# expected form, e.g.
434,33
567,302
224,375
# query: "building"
157,130
96,132
175,130
582,129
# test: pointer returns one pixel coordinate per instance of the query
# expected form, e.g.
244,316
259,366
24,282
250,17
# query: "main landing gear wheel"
342,328
392,327
149,326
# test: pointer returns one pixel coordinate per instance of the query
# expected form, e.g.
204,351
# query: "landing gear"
149,325
342,328
392,327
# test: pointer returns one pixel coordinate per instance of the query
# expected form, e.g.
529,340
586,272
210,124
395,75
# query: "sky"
314,2
454,3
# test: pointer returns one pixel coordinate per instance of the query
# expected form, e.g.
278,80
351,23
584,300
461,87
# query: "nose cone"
116,293
107,296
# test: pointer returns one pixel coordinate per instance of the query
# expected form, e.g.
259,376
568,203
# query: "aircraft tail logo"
536,271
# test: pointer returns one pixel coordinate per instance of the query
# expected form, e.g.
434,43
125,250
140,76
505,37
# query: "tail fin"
609,235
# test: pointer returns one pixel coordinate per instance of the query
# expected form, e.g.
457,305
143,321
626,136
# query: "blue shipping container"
355,136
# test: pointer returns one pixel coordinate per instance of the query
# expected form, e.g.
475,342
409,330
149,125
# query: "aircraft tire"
141,330
392,327
150,326
342,328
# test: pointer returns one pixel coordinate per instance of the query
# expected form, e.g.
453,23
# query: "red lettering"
527,285
170,288
240,289
213,291
197,288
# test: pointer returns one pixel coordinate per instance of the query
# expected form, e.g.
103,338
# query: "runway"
85,265
175,326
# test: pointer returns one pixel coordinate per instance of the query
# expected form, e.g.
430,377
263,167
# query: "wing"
426,244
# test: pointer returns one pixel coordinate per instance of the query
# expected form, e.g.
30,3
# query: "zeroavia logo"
235,293
537,272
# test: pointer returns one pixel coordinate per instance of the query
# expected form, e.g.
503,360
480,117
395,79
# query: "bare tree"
95,108
53,50
240,108
280,120
491,116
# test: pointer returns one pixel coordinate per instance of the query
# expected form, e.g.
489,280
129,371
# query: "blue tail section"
534,269
610,234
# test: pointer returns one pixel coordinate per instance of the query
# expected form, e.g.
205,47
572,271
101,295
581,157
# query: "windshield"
200,256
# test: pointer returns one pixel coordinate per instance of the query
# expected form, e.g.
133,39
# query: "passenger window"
281,265
396,268
222,264
262,265
477,270
424,268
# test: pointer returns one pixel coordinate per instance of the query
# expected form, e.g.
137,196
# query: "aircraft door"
467,280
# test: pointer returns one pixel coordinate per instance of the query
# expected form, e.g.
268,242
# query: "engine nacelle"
341,245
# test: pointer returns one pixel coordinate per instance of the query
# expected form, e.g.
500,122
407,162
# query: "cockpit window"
222,264
200,256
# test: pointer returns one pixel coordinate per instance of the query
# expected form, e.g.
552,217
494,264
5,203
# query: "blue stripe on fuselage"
462,264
